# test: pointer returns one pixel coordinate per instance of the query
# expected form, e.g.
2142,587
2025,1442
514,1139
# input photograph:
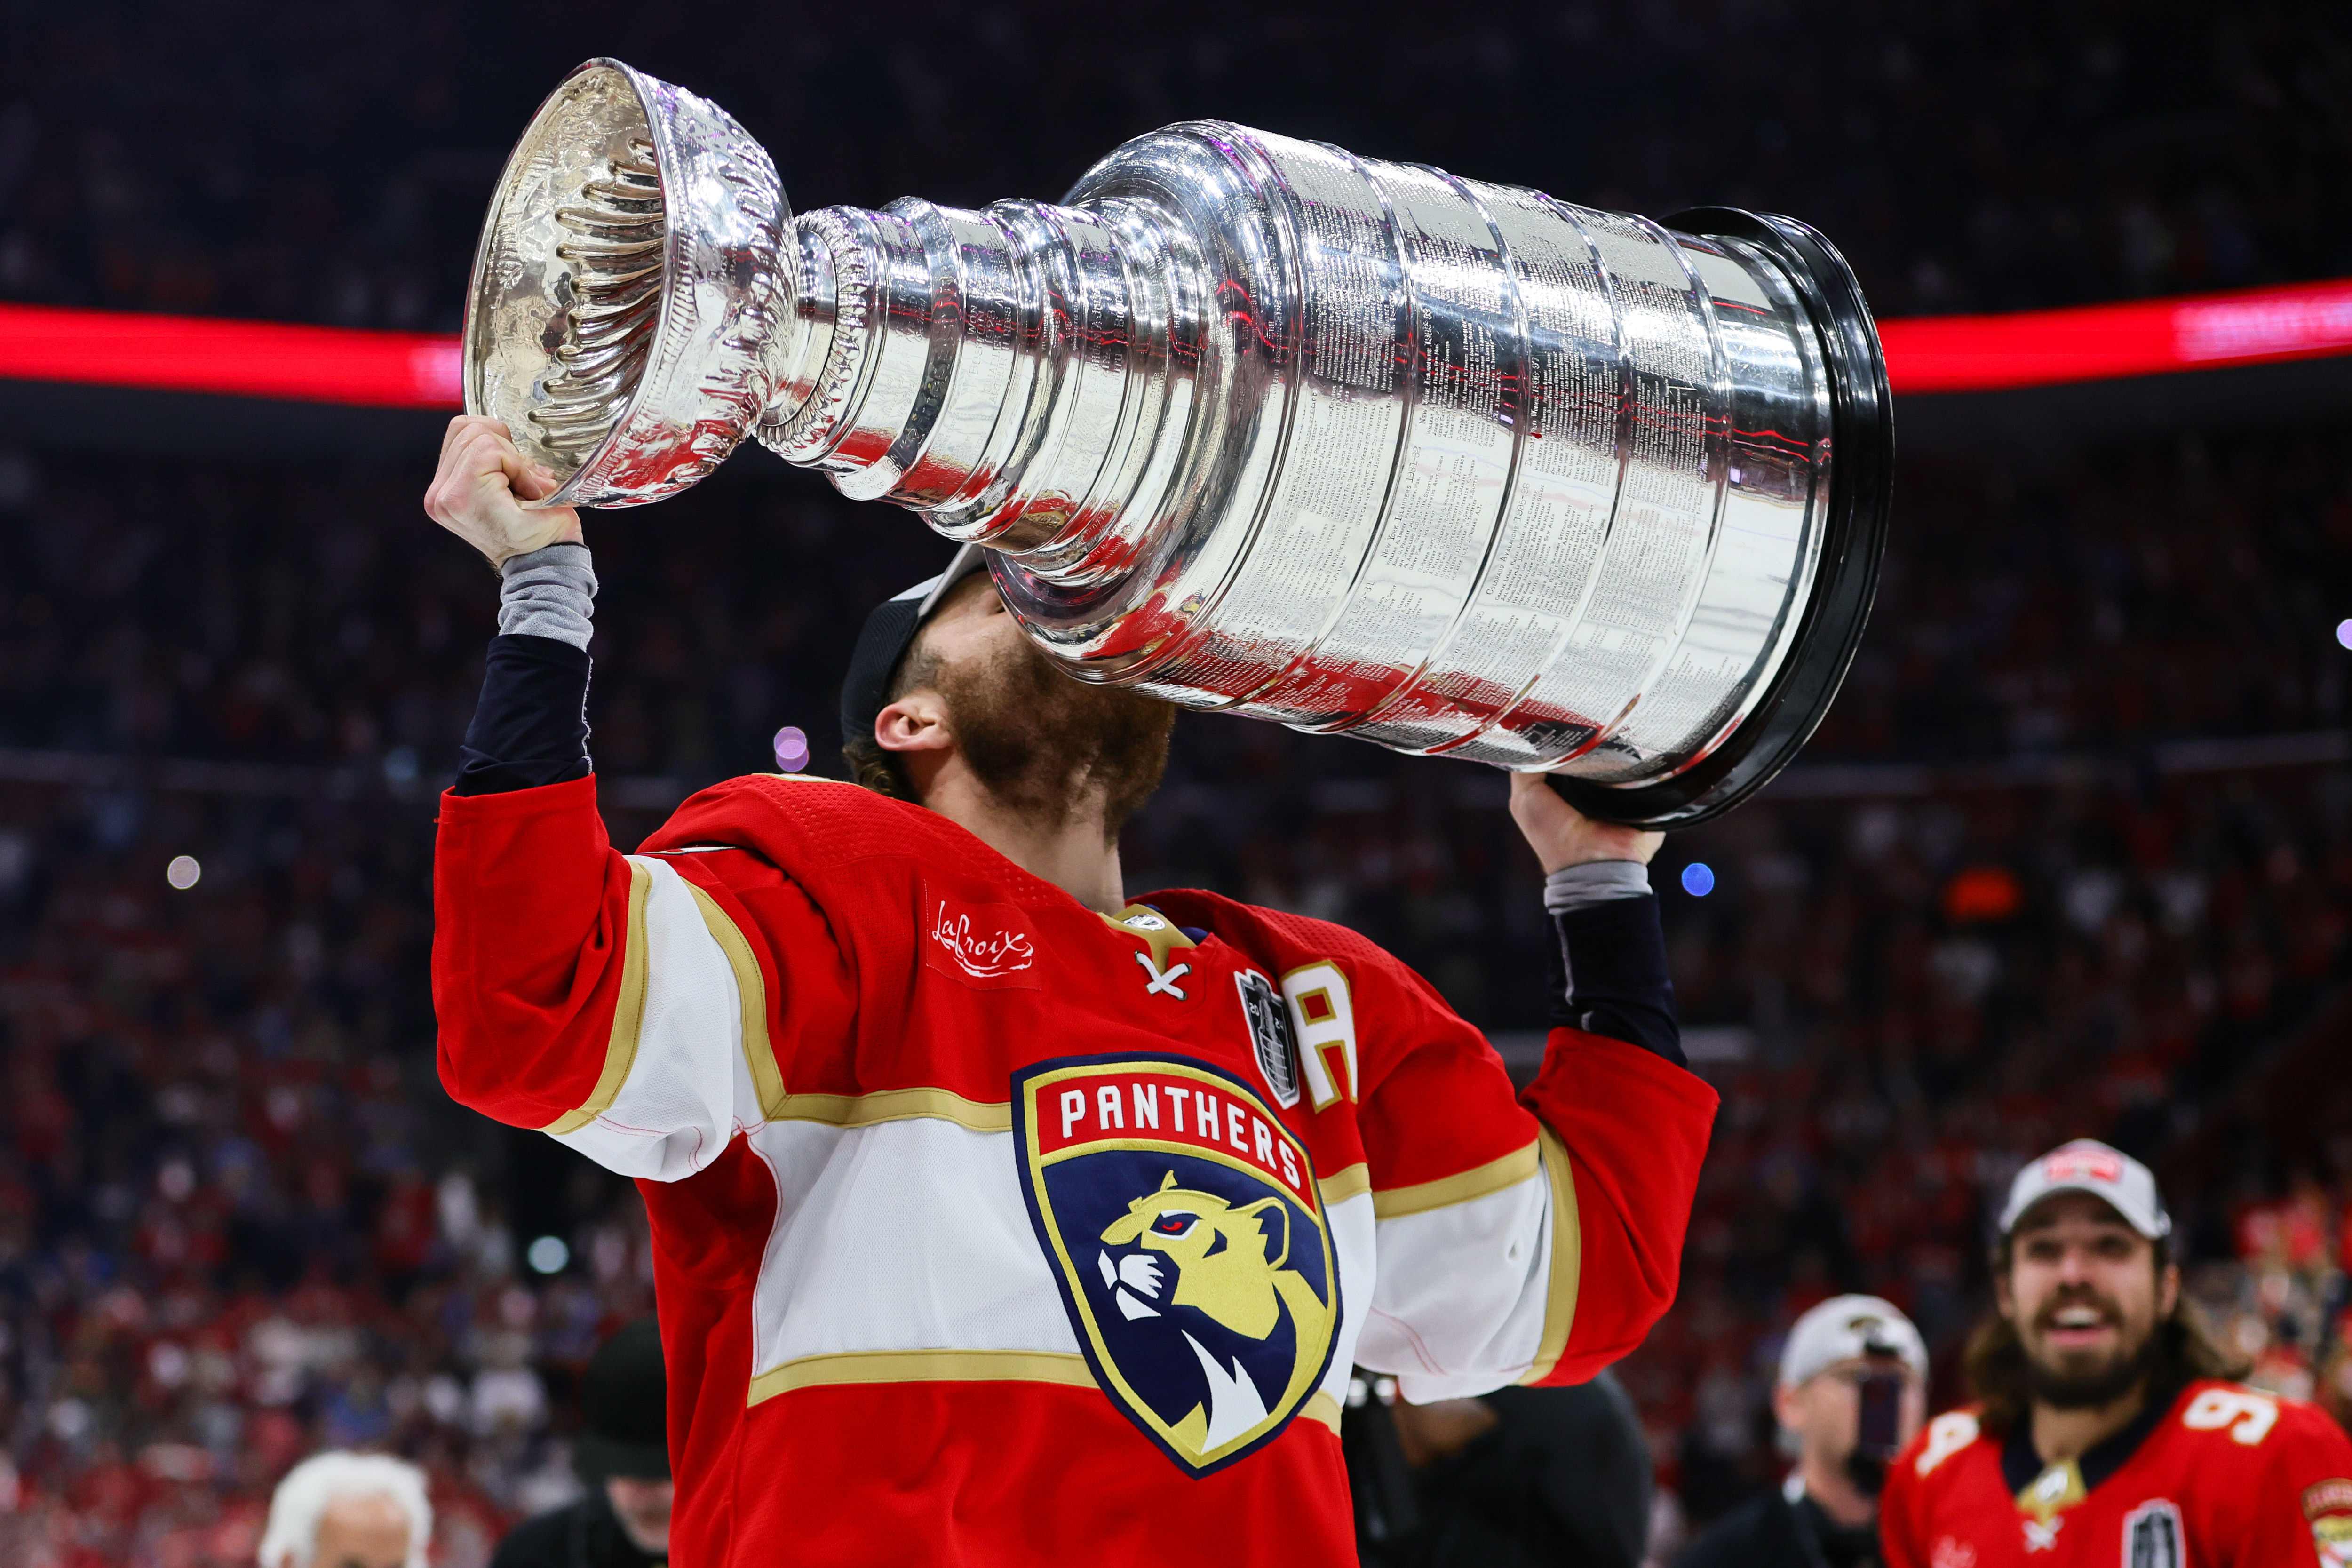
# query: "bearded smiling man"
2108,1429
998,1217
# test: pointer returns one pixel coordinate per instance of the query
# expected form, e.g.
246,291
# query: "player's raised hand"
478,490
1562,835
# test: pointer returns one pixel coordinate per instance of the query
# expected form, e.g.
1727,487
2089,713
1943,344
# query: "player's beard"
2078,1383
1046,745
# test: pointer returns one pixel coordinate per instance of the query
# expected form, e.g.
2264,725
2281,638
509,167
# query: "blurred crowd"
331,163
1907,999
238,1220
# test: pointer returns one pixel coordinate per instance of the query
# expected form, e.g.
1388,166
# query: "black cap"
890,631
624,1399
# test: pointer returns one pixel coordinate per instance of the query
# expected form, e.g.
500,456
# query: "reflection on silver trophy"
1252,424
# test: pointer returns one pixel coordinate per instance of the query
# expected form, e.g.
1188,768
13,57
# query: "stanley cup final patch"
1187,1239
1268,1018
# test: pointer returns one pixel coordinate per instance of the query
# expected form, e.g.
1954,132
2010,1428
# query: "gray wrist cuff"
1594,882
549,593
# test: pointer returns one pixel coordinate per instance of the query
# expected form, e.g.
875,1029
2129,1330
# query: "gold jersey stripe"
2057,1488
896,1105
1158,932
1567,1258
758,1049
1064,1367
628,1013
852,1367
1348,1182
1460,1188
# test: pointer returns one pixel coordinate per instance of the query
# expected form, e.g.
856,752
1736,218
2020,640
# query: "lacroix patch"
986,946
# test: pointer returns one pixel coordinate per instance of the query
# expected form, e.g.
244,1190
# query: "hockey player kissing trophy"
999,1217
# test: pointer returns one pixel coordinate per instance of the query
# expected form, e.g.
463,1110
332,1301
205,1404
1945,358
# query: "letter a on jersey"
1188,1237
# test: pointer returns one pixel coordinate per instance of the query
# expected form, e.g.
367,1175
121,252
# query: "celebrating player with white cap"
2108,1428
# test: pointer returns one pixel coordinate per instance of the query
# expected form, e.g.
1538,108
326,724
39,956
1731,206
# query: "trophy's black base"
1862,480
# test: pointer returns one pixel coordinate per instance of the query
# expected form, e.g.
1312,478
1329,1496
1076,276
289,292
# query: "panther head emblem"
1222,1271
1219,1252
1187,1232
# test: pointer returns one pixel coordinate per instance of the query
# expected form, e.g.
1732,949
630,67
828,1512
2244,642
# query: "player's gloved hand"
1562,835
478,490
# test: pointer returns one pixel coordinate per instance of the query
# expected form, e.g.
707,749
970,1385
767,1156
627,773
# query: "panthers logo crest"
1188,1237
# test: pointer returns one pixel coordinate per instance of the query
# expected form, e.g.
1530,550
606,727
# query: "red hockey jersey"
2221,1477
990,1229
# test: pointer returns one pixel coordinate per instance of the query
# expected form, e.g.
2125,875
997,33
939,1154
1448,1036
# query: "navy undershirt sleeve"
530,727
1608,975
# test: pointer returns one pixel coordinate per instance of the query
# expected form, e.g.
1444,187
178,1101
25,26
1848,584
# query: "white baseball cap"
2087,1165
1845,1328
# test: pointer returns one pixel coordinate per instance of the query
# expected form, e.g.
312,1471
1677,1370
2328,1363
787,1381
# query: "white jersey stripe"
685,1086
903,1236
752,990
1459,1306
870,1219
1355,1243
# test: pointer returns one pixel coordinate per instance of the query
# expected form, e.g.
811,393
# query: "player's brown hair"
2000,1381
871,767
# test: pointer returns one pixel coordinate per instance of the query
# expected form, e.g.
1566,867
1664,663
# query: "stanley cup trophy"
1252,425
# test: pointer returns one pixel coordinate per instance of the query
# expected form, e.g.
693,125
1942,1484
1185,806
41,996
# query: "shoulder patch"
1269,1031
1946,1436
2331,1496
2152,1536
986,944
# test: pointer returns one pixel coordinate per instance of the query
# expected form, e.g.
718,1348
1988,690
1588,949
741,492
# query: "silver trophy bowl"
1252,425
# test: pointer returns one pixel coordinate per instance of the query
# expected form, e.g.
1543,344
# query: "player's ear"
918,721
1788,1406
2168,1291
1281,1208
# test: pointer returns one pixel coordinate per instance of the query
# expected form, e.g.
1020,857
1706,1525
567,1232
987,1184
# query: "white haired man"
341,1509
1853,1391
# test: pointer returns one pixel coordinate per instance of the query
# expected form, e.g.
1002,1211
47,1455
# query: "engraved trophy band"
1251,424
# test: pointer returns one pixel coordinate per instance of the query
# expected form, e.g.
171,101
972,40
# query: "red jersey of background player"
2217,1477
